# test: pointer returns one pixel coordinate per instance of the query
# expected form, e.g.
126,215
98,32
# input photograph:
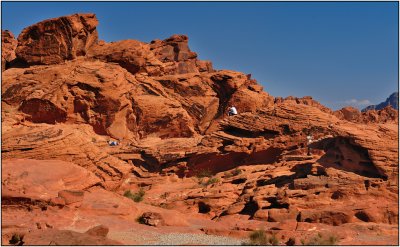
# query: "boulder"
151,219
349,113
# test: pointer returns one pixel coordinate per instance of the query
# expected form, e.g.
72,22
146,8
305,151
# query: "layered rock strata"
189,166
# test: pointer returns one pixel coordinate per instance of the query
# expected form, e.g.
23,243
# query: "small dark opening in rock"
204,208
239,181
308,220
362,216
337,195
367,183
286,129
374,185
250,208
298,217
275,203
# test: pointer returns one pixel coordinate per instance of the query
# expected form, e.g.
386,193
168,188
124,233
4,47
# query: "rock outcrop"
64,237
174,52
196,169
122,105
132,55
32,179
385,115
80,146
55,40
8,46
349,113
306,100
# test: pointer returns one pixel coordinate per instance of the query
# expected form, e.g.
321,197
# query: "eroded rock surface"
187,166
64,237
56,40
8,46
387,114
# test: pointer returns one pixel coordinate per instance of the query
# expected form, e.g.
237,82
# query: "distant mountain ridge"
392,100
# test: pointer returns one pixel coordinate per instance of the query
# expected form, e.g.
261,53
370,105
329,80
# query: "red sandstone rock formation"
122,105
8,46
349,113
201,171
387,114
174,52
132,55
56,40
64,237
306,100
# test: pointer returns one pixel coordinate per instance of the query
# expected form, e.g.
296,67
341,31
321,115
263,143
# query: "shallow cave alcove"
343,154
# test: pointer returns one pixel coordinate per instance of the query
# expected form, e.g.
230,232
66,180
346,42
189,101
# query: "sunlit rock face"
180,163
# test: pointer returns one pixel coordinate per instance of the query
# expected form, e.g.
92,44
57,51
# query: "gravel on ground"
154,238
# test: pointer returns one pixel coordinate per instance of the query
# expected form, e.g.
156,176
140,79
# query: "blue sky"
340,53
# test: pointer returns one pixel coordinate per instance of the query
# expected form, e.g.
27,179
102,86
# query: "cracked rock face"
66,95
